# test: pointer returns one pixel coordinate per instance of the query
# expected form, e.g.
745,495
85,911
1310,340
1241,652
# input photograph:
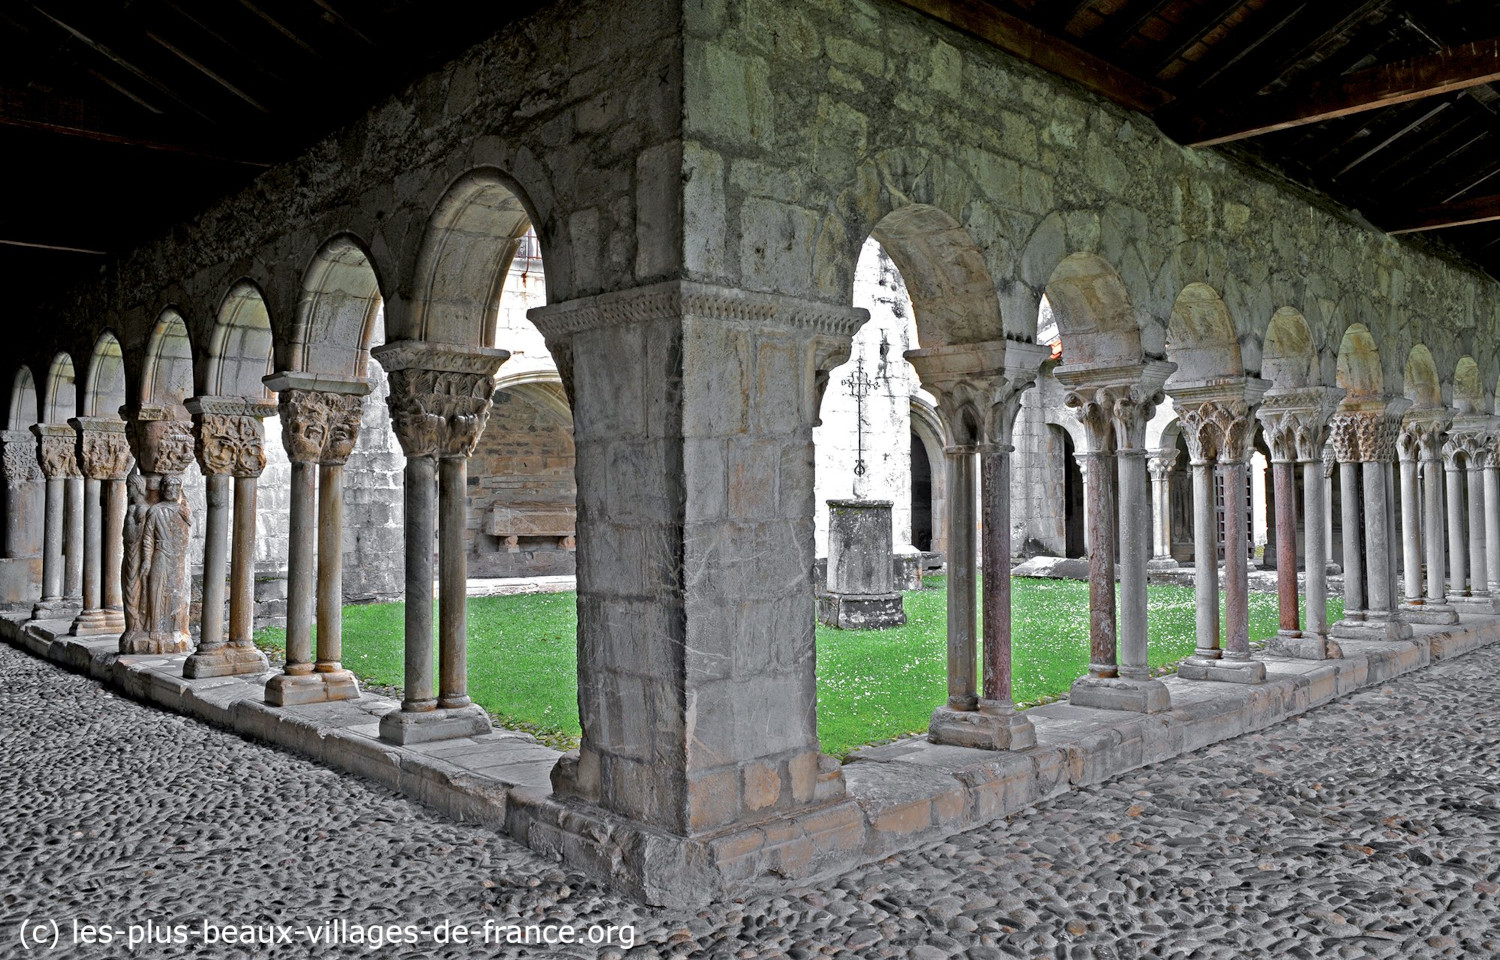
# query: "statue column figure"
1161,464
1423,432
104,456
320,418
230,446
978,388
58,458
157,531
439,402
1114,404
1218,424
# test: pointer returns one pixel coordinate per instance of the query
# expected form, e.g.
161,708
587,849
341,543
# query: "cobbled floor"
1367,828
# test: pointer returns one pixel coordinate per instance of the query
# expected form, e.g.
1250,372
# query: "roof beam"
1448,70
1441,216
1024,39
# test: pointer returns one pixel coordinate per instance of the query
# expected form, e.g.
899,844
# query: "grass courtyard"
872,684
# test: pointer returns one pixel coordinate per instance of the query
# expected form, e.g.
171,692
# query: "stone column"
978,388
1478,573
1411,523
21,568
1330,464
320,418
57,455
1218,424
1470,440
1458,578
1161,464
1429,433
154,577
1114,405
231,451
1365,434
686,398
1345,440
1492,518
73,545
439,402
104,455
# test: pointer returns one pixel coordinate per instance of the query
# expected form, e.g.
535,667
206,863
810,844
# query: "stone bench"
513,521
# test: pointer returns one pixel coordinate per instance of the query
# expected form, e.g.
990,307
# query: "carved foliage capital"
319,426
1114,416
1161,464
229,444
439,413
1217,430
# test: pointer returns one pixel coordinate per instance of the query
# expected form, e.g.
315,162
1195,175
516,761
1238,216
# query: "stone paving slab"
900,795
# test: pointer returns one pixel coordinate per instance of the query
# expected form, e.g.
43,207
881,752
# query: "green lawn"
872,684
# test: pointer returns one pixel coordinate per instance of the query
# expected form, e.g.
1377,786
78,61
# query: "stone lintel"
257,407
990,359
54,430
98,425
439,357
1149,376
317,382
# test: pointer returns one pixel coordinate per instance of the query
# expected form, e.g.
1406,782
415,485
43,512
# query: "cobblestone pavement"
1368,828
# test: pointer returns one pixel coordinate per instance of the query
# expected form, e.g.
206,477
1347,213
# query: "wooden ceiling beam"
1447,71
1441,216
1024,39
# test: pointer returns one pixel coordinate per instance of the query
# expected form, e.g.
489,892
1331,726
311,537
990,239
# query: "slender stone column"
962,627
1457,552
439,404
1478,574
1411,524
1354,570
1285,483
1316,561
1380,602
1430,449
114,532
56,453
104,456
1236,566
1492,519
73,540
1205,560
1114,405
1160,464
1329,466
230,449
320,418
1366,434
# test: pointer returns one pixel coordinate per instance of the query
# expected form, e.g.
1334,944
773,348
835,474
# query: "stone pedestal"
861,592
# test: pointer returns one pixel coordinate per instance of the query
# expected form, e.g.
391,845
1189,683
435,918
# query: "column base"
60,608
91,623
1440,613
294,689
859,612
1383,629
229,660
141,642
1306,646
1475,604
425,726
1162,564
1120,693
1332,569
992,727
1222,669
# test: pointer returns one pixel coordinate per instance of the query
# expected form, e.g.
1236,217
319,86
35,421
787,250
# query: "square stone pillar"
693,409
861,589
104,455
57,455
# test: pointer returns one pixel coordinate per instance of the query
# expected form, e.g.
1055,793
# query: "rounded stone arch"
544,388
167,376
1358,368
927,428
463,259
1468,386
1289,355
952,294
1201,338
339,312
1095,319
24,400
1421,384
104,386
60,394
241,345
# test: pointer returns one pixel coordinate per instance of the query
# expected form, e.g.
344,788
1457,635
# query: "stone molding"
983,380
320,415
57,451
103,450
228,436
19,458
440,395
1114,403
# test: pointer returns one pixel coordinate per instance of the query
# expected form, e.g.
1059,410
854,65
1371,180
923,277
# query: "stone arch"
463,261
1095,320
241,345
1422,386
104,386
167,378
1201,338
60,399
1358,369
23,400
952,295
1468,386
927,428
339,313
1289,358
544,388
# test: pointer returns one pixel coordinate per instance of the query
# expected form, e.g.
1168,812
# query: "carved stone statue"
164,550
130,566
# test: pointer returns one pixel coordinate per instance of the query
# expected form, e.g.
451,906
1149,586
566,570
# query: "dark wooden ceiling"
119,118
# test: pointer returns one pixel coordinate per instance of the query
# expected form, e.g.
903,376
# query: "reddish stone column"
1285,486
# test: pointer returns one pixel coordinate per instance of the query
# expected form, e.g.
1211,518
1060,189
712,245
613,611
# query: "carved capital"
228,444
1422,435
56,451
978,386
440,395
19,458
166,446
103,452
1216,430
1298,418
318,426
1161,464
1114,403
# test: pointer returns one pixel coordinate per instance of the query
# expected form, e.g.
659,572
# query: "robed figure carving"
131,586
154,572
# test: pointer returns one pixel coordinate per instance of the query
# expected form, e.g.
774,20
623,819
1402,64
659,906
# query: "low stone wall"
900,795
